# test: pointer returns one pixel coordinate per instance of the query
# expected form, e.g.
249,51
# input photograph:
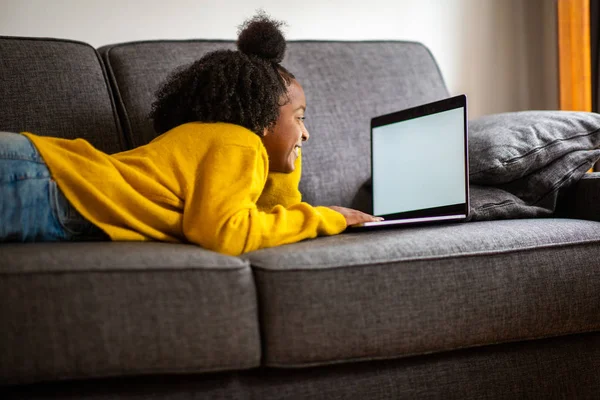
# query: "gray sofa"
486,310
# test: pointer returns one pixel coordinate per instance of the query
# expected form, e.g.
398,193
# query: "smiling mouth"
297,150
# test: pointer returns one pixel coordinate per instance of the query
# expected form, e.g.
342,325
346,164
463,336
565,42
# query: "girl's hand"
354,216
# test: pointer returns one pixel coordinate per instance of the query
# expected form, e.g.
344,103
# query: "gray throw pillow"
533,195
490,203
505,147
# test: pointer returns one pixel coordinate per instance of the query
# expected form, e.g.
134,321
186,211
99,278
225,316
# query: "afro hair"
244,87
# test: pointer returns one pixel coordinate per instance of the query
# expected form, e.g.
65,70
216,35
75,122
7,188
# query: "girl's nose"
305,135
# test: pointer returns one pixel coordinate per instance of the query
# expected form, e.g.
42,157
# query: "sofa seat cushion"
421,290
80,310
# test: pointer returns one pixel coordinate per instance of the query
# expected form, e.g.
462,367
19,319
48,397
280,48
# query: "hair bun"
260,36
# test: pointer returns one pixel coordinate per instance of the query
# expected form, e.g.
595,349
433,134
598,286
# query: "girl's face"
285,139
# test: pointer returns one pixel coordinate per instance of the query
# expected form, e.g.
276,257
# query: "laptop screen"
419,161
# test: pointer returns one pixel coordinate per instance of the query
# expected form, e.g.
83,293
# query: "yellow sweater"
197,183
281,188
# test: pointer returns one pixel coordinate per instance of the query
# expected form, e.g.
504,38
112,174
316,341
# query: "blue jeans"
32,207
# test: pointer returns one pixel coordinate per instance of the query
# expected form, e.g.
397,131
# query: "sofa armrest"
582,200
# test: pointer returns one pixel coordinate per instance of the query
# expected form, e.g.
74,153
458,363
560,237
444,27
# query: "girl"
223,173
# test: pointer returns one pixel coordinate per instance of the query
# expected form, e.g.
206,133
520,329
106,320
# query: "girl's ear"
265,132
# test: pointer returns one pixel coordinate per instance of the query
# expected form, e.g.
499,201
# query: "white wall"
502,53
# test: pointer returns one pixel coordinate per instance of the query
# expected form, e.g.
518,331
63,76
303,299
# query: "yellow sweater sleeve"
221,211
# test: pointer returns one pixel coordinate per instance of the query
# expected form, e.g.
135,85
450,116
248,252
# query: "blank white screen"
419,163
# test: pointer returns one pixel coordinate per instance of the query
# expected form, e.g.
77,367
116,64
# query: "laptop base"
387,224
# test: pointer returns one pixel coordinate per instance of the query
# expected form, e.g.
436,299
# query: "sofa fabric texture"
54,87
539,369
421,290
79,310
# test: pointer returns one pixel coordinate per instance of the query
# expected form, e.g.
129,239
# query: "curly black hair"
244,87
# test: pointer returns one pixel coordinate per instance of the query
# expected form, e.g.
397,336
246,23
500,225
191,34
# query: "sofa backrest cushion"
346,84
55,87
136,70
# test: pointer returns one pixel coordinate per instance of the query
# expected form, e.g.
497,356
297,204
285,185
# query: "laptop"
420,166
